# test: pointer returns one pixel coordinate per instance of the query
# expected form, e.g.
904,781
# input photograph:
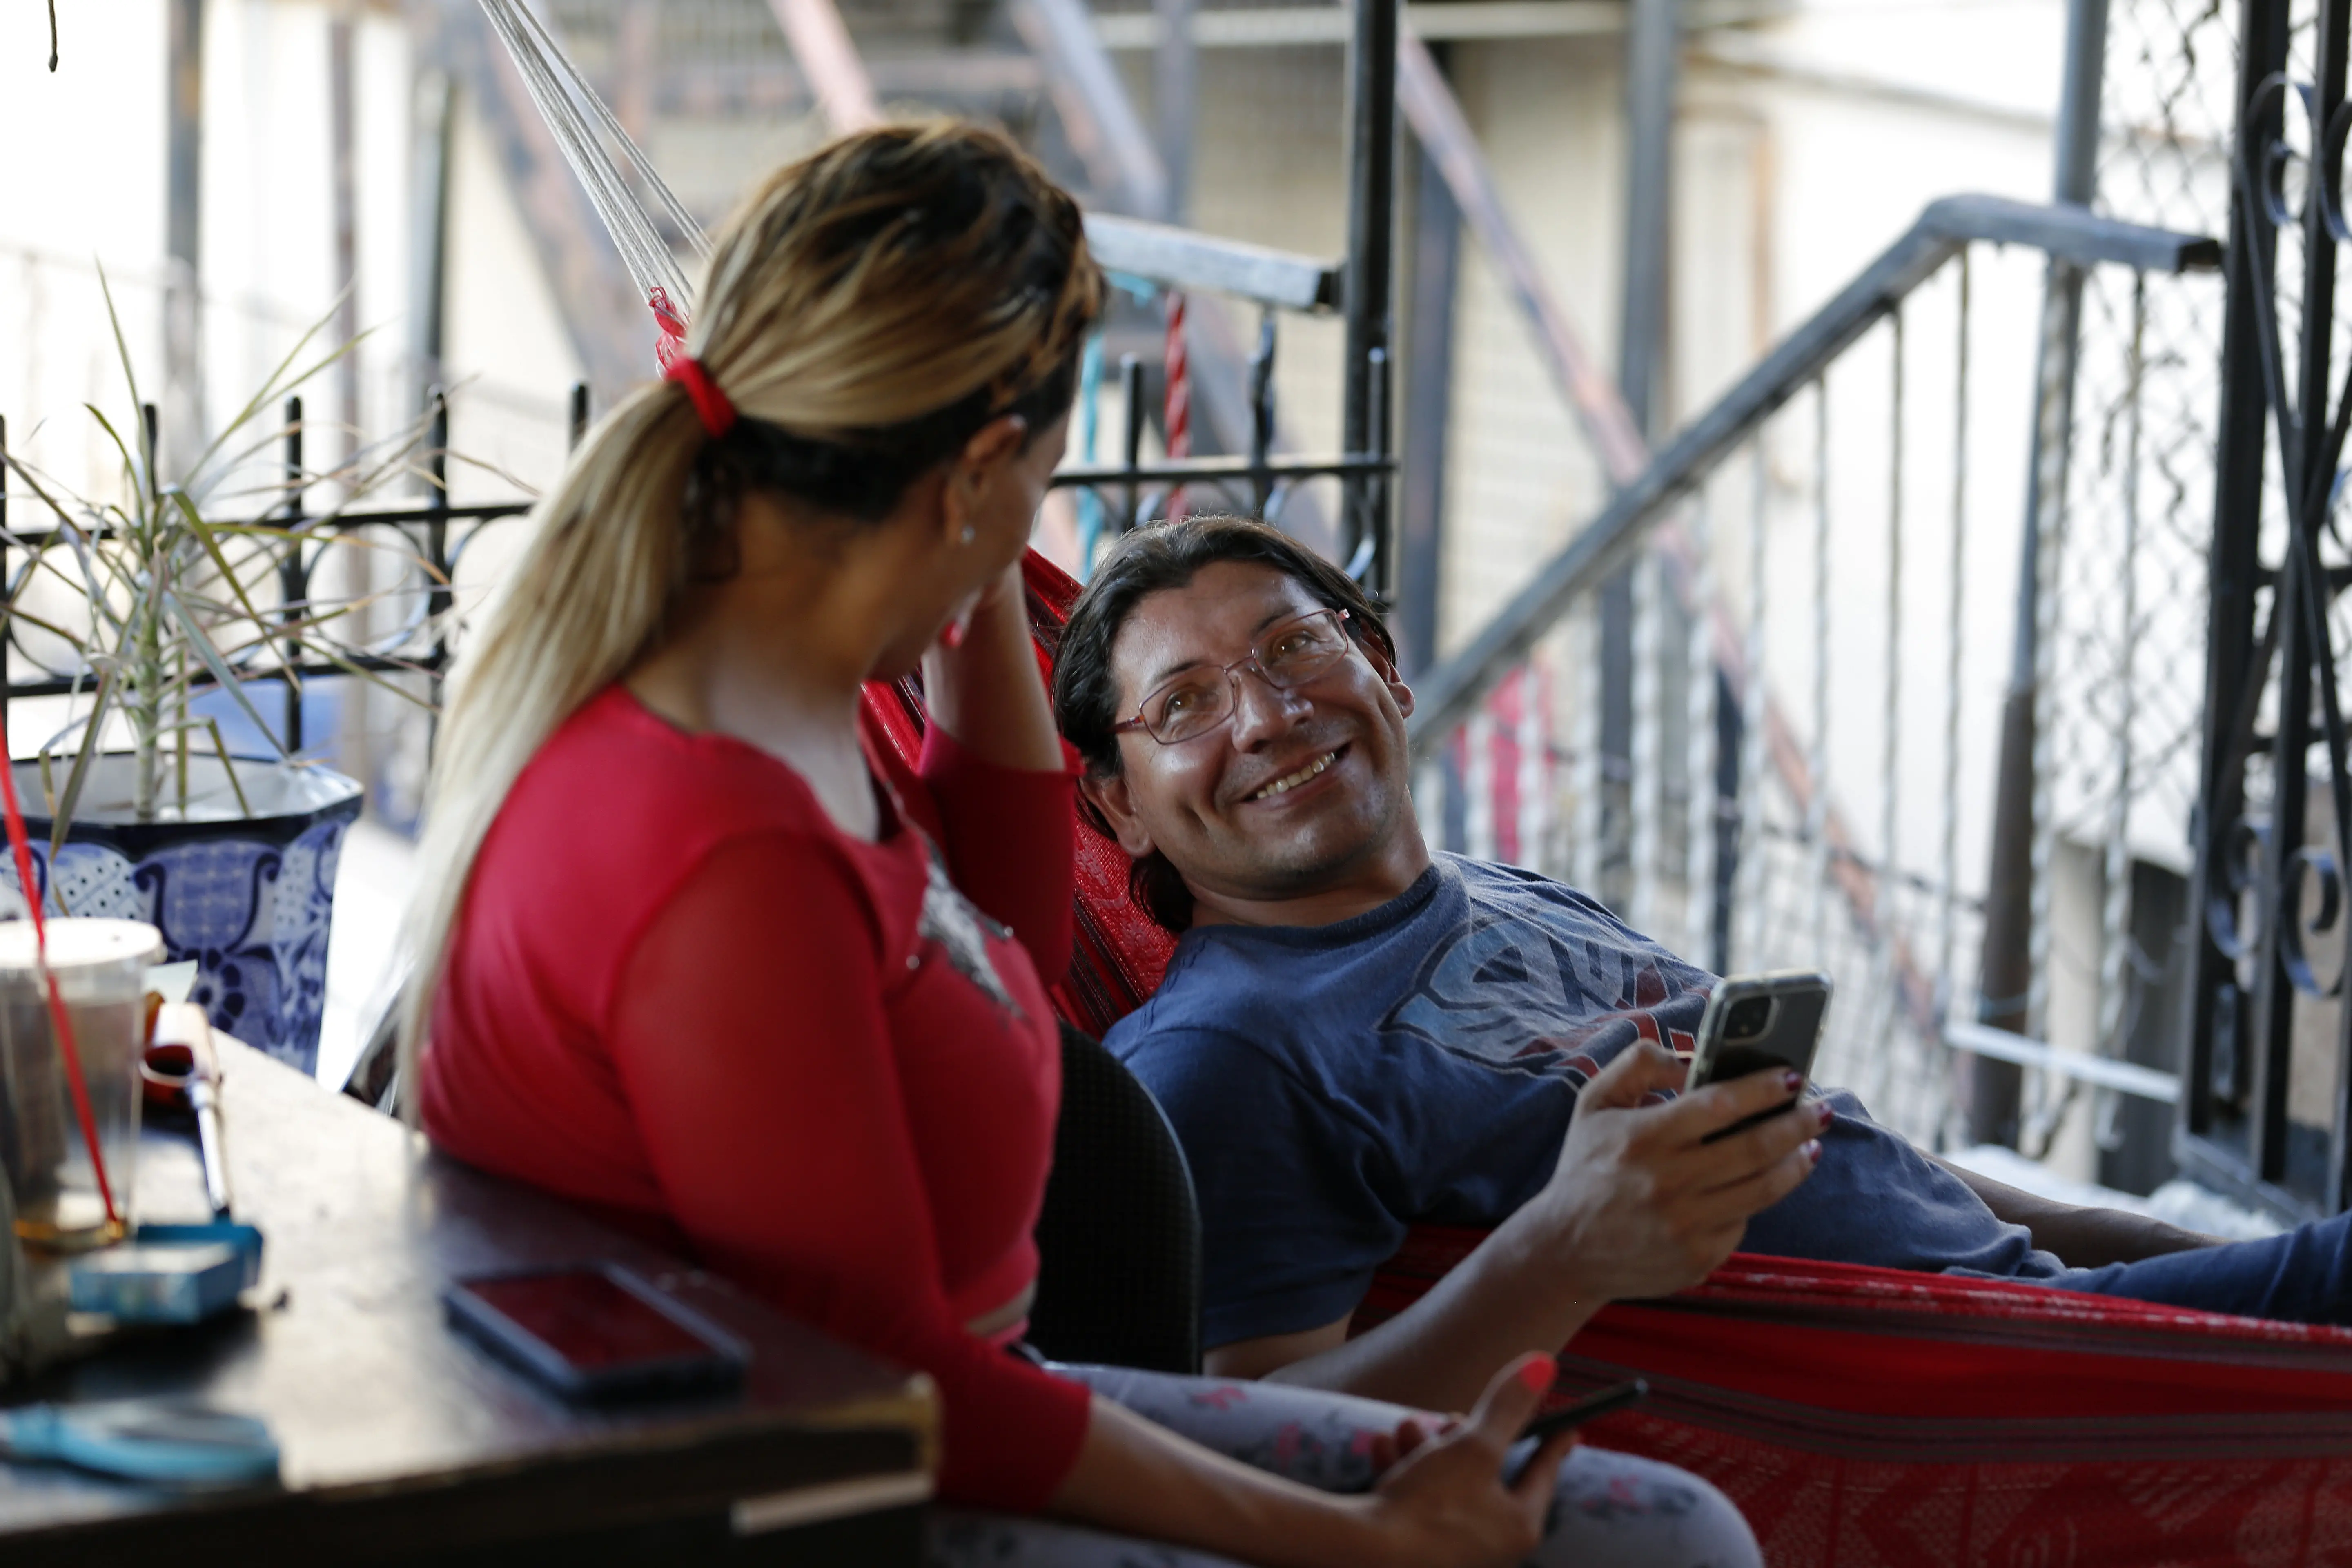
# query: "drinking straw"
79,1085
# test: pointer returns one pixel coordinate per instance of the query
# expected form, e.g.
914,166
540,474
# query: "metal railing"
1807,764
1947,228
1257,481
2267,1107
433,536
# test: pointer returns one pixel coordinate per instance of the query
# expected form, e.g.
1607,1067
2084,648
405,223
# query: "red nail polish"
1538,1373
953,637
1813,1152
1827,1115
1792,1080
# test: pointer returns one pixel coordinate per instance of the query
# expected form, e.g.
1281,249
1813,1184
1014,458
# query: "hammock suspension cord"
574,116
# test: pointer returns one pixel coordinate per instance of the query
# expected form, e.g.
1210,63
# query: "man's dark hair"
1164,556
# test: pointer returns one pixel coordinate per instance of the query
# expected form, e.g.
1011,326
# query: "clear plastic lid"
77,944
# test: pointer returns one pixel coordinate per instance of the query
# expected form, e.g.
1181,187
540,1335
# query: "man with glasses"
1355,1034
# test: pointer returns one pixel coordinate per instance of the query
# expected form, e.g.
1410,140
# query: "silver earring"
969,535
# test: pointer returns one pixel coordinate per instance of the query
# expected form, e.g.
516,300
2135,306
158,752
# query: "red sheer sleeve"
1008,846
748,1031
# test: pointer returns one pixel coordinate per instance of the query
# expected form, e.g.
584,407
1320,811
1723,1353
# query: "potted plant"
146,604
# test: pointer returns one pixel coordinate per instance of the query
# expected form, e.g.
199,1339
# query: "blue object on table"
246,1238
168,1273
161,1442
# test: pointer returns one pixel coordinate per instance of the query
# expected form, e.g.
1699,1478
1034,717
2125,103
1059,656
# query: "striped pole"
1177,412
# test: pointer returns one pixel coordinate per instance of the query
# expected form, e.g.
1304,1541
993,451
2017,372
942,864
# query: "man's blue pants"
2303,1276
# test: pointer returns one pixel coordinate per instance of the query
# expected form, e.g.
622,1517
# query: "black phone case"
1592,1407
1793,1036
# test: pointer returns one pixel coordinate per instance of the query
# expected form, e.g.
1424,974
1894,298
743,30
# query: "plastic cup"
101,970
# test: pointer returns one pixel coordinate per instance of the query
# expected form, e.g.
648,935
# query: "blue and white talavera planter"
248,898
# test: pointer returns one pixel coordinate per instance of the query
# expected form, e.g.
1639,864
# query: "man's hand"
1640,1205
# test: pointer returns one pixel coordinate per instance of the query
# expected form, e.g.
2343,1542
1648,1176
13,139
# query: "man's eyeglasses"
1197,701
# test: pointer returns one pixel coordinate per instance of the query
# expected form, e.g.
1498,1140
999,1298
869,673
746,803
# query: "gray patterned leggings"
1614,1511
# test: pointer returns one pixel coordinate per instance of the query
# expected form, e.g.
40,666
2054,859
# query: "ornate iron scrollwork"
2258,864
2320,864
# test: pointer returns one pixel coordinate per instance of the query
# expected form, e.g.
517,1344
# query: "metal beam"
1653,35
343,143
1101,124
2071,233
434,121
1368,300
183,401
1436,240
1208,469
1181,258
1437,122
2221,1040
1651,42
1446,697
722,89
2005,987
2105,1072
1175,97
636,55
1290,27
820,43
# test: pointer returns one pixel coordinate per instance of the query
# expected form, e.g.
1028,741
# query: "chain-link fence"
2123,708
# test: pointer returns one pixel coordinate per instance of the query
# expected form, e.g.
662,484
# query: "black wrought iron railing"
418,646
2267,1115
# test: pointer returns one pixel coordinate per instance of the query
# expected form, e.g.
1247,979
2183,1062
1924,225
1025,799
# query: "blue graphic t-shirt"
1334,1084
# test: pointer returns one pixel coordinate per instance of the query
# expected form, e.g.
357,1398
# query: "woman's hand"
1443,1505
984,604
1444,1500
1389,1448
982,682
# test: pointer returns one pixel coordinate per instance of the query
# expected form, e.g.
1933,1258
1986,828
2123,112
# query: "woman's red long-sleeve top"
675,991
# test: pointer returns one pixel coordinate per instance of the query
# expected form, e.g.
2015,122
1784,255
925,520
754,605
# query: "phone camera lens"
1747,1019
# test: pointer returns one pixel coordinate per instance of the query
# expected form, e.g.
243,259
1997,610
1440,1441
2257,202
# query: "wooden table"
402,1441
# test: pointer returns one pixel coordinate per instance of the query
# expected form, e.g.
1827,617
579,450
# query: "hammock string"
585,129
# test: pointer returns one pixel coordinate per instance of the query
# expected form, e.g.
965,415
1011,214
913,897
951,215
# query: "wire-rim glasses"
1199,700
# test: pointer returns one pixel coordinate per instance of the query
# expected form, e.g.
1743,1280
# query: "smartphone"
1759,1023
595,1331
1592,1407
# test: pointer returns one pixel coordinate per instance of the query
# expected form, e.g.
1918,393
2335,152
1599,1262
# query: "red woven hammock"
1862,1418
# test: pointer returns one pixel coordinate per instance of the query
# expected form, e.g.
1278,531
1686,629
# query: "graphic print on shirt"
1530,985
961,932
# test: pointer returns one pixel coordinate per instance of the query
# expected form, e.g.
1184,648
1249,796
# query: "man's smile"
1314,768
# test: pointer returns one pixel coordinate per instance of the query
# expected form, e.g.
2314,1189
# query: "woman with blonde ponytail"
692,953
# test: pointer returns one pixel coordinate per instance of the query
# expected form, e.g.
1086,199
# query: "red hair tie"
710,404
